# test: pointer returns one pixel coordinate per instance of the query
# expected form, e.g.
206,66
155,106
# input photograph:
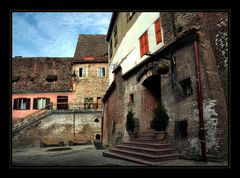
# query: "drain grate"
60,149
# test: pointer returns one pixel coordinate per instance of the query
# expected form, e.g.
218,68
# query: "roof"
90,47
33,72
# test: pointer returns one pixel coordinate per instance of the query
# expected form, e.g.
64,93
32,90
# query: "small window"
41,103
88,99
181,129
186,86
144,48
15,79
101,72
21,104
82,72
96,120
115,36
131,98
62,102
51,78
158,32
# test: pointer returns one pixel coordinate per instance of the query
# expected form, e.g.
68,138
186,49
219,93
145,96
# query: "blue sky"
53,34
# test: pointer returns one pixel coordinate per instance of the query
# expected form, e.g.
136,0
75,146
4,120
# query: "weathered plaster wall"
60,126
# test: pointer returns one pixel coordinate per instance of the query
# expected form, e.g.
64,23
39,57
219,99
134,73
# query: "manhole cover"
60,149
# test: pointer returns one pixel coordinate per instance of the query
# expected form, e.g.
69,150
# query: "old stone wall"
32,73
60,126
91,85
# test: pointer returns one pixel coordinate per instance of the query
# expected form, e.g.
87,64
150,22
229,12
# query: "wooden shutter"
34,103
15,104
48,103
158,32
28,103
144,48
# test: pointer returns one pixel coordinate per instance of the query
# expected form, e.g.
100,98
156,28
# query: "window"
101,72
96,120
130,15
115,36
181,129
82,72
62,102
88,102
41,103
144,44
99,102
158,32
51,78
21,104
131,98
186,87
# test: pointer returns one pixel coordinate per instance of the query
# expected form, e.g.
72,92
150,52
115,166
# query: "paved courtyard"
85,156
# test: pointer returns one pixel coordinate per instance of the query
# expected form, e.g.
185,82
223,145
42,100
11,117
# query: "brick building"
197,102
56,98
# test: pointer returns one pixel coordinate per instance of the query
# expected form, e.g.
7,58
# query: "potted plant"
159,122
131,124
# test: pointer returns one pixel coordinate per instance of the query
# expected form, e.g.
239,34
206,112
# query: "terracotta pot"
160,135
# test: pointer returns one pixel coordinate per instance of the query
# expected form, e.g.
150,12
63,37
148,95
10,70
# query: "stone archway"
97,137
151,97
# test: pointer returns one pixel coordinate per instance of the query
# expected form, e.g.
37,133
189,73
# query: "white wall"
128,53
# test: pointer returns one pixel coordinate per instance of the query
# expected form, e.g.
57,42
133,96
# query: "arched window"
98,137
96,120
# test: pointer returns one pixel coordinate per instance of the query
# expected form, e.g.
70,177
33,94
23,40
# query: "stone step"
144,156
151,151
123,157
146,140
155,145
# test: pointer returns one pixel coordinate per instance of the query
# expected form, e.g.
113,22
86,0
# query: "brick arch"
150,97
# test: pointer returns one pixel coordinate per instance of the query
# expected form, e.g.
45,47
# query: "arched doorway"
98,137
151,97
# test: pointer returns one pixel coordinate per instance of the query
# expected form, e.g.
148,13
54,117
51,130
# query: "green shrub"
130,124
160,119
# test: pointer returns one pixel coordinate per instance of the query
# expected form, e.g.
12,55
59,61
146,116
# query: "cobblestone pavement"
85,156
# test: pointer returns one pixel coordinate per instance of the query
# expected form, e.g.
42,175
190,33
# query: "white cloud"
54,34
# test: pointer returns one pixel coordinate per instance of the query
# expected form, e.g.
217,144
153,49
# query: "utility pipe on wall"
200,106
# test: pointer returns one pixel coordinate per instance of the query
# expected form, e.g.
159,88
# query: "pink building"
40,84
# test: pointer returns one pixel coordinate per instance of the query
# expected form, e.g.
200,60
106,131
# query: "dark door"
62,102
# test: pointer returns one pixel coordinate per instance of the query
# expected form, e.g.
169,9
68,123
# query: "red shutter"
158,33
34,103
144,44
141,46
15,104
28,103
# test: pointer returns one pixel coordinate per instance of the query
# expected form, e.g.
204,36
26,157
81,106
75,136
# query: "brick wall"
59,126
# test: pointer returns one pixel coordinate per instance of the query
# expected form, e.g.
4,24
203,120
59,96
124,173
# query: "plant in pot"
131,124
159,122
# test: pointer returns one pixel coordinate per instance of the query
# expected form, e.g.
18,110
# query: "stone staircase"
29,120
145,149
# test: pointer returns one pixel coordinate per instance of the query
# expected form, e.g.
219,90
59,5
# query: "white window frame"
100,72
84,72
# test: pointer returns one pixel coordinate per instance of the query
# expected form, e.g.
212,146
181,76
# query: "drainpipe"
200,106
103,106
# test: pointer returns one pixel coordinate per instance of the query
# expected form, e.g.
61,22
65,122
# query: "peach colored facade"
18,114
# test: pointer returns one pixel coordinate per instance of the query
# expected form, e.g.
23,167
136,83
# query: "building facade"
193,88
65,92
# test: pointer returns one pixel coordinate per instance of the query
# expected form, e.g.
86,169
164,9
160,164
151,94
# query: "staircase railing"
31,118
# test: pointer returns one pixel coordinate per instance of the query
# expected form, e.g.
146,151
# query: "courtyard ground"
86,156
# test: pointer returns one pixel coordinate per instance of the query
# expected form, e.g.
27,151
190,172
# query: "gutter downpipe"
200,100
103,107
